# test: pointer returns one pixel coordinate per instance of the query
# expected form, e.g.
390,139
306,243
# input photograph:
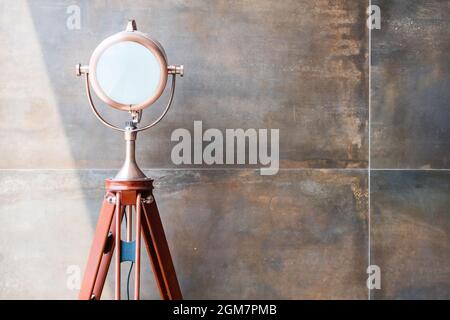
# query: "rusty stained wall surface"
300,66
410,129
297,66
410,110
232,233
410,233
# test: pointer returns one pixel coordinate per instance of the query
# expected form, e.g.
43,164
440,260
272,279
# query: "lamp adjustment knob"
176,69
80,69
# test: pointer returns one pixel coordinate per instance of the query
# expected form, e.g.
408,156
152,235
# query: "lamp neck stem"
130,169
130,140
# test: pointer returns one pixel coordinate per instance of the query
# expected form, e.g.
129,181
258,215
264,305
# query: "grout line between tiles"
178,169
370,144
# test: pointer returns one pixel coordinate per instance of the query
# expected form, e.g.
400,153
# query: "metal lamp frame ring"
109,125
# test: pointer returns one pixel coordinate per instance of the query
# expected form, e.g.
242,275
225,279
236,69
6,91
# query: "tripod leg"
97,248
106,261
137,276
154,259
153,221
117,242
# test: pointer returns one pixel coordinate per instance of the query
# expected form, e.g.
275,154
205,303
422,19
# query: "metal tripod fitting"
148,199
110,199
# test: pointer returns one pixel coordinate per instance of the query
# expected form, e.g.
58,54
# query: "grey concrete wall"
298,66
233,233
410,129
410,76
410,233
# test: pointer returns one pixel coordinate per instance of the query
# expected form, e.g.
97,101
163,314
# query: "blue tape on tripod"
127,251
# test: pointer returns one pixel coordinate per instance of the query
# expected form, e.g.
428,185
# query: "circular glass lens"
128,73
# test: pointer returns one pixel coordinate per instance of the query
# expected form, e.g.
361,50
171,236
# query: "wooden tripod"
121,196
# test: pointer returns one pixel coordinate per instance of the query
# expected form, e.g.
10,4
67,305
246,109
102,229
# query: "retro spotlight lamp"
128,71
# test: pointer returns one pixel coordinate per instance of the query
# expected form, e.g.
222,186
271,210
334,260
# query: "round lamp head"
128,70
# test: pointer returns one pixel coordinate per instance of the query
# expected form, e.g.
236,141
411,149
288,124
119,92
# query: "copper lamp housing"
130,170
141,38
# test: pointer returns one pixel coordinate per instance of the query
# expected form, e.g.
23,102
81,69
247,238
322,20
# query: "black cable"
128,280
131,267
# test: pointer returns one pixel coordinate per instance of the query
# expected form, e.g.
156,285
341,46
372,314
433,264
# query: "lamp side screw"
176,69
80,69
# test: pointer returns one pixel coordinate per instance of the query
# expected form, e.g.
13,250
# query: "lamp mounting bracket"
131,26
136,116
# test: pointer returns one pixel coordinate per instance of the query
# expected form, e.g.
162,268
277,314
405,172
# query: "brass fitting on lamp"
176,69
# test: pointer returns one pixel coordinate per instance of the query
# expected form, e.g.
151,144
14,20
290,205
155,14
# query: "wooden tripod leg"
118,220
97,248
152,221
106,260
137,254
153,259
